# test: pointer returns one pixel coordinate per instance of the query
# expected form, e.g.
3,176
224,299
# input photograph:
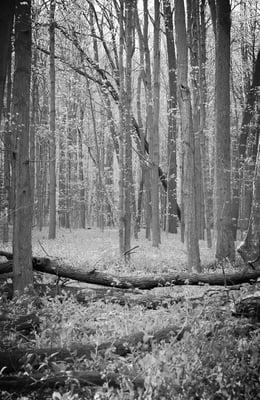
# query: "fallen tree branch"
14,359
65,270
25,384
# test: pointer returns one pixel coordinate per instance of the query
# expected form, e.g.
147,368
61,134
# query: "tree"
250,247
188,172
52,222
194,42
22,247
248,148
6,25
154,140
205,167
127,15
224,242
172,126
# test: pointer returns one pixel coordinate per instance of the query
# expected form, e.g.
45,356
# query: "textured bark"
172,126
8,179
82,204
52,221
193,39
22,241
13,360
24,384
203,99
66,270
250,247
154,139
6,24
188,172
128,198
248,148
224,236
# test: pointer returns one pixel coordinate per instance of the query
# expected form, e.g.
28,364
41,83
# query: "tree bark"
188,173
24,384
13,360
224,242
154,139
52,221
193,39
63,269
6,24
22,240
203,143
172,125
250,247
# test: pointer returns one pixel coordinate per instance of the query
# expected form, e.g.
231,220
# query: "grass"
210,363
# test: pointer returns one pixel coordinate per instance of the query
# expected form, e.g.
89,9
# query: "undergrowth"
218,357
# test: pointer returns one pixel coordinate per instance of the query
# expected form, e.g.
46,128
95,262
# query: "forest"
129,199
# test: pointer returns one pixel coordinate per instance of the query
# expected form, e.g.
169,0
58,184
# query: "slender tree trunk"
247,150
203,98
225,244
172,126
7,154
6,24
149,119
250,248
154,141
121,138
22,241
193,30
82,216
52,221
188,173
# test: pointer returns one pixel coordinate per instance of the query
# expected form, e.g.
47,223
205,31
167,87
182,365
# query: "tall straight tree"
225,243
250,247
188,172
127,14
203,98
6,25
154,140
22,241
172,126
52,222
193,38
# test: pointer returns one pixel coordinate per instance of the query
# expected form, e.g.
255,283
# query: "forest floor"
216,358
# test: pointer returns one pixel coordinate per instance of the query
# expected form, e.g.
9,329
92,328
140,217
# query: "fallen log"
14,359
23,384
65,270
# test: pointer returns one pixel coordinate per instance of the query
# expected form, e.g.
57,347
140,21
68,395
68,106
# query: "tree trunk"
203,144
6,25
52,216
247,150
154,139
250,248
82,217
14,360
193,38
172,126
9,189
80,274
224,241
188,173
22,241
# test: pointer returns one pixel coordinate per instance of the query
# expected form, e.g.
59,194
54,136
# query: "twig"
44,249
129,251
